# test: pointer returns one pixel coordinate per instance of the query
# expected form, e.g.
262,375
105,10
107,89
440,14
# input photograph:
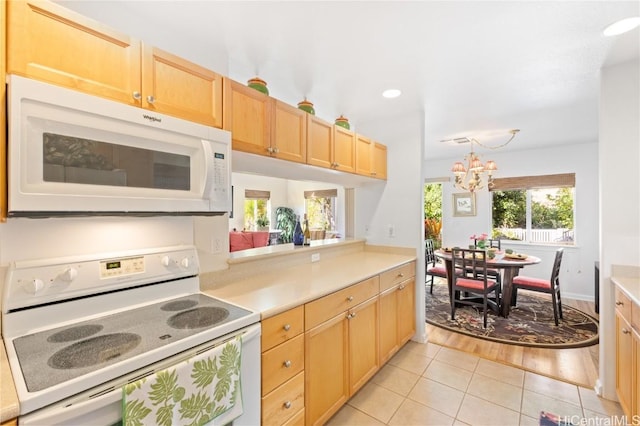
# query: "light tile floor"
427,384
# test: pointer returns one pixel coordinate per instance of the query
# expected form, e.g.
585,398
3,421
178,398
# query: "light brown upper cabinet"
263,125
330,146
289,139
371,158
45,41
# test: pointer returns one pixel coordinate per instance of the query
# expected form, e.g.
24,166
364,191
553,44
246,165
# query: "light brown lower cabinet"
344,333
283,368
627,354
341,341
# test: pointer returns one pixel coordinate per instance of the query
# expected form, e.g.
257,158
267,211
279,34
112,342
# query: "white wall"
397,203
619,156
577,275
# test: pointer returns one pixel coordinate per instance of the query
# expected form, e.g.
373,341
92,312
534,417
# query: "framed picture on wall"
464,204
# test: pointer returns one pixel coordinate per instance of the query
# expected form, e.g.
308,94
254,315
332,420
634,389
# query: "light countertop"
277,291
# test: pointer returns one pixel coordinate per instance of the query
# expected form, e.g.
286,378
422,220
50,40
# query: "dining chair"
471,282
493,272
550,286
432,268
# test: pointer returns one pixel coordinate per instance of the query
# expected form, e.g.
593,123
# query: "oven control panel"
37,282
121,267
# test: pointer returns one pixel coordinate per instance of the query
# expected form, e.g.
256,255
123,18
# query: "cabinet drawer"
327,307
296,420
281,404
395,276
623,304
281,363
282,327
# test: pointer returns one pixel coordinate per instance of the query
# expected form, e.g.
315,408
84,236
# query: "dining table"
510,267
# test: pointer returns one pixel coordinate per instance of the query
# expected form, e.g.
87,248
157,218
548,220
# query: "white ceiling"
471,66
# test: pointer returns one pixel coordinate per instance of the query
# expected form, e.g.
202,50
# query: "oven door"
103,405
72,152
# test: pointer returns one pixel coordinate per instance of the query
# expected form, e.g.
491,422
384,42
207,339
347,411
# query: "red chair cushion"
260,238
473,284
532,282
439,271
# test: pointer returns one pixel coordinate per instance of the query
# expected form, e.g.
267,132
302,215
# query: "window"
534,209
320,207
257,209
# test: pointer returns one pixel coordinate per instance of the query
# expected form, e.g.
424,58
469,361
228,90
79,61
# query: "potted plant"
285,221
262,222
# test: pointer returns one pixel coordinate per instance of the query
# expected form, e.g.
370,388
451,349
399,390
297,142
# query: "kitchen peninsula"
328,325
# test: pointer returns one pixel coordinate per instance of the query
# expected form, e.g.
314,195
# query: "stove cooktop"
57,355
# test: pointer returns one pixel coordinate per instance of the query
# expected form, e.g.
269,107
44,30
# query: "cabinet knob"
276,150
336,165
618,303
350,299
401,287
287,405
400,275
287,327
625,331
136,95
351,315
151,99
287,364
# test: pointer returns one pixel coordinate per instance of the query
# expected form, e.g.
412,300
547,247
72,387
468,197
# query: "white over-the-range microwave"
70,153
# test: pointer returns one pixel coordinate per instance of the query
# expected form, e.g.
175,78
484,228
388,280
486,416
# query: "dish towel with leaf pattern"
204,389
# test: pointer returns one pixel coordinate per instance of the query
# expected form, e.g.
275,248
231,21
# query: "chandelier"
471,177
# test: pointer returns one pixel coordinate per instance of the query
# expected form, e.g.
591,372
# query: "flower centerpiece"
480,240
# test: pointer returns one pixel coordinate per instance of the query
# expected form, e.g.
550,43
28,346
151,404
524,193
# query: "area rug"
530,323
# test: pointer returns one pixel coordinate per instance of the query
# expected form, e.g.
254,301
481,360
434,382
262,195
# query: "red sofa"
242,240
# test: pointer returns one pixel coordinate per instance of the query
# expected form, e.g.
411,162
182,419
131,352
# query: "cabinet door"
406,311
326,369
363,344
364,156
379,161
344,151
289,141
624,351
177,87
319,142
388,324
636,374
51,43
247,115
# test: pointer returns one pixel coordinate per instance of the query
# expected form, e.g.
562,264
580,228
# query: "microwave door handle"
209,165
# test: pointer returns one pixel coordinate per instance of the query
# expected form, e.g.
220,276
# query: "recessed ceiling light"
622,26
391,93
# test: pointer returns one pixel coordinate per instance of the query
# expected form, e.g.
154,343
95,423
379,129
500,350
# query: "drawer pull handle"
619,303
625,331
350,299
400,275
287,364
287,405
351,315
401,287
287,327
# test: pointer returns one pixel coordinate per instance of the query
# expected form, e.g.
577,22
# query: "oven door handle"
105,409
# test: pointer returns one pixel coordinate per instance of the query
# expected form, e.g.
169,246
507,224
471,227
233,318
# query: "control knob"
33,286
185,262
69,274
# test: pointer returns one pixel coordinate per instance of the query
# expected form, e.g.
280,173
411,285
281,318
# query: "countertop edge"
630,286
10,407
